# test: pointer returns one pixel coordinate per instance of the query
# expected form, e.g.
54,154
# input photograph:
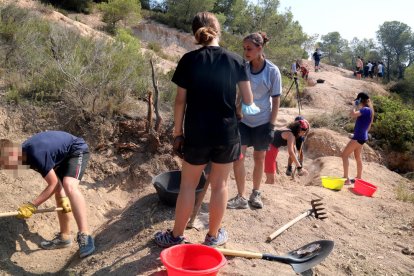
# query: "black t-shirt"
210,76
278,140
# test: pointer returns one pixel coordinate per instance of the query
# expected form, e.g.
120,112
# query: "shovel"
12,214
301,259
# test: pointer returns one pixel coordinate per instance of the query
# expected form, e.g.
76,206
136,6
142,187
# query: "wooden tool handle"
240,253
11,214
287,225
197,205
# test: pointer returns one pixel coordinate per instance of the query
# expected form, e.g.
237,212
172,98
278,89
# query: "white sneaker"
237,202
256,199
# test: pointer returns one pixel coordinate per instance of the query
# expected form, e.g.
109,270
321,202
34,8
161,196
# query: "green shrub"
404,193
47,62
394,124
13,96
338,121
405,87
156,47
73,5
167,88
289,94
117,10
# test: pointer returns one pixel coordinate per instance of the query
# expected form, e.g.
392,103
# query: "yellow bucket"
333,182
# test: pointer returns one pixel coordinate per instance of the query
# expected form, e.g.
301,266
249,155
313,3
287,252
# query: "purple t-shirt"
362,123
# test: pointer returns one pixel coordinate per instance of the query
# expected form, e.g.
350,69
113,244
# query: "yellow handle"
240,253
12,214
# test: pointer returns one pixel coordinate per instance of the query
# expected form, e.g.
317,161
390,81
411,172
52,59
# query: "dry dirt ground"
373,236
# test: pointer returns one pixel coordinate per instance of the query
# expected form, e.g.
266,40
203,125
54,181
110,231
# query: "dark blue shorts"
73,166
218,154
299,142
254,136
316,62
360,141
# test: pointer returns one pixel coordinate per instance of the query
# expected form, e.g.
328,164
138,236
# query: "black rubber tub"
167,186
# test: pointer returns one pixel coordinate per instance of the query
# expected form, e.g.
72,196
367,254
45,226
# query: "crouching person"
61,159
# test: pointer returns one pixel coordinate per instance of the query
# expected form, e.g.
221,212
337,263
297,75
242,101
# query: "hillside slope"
373,236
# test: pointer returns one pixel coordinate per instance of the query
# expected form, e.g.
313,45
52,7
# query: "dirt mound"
172,41
325,142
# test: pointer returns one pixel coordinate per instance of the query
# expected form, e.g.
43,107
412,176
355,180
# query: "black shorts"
254,136
218,154
299,142
73,166
361,142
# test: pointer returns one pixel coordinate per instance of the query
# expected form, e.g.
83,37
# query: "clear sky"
351,18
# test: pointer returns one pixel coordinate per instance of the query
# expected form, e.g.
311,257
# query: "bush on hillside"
47,62
289,93
338,121
115,11
73,5
405,87
394,124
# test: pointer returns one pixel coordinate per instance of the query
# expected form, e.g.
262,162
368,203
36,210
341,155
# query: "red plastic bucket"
364,188
192,259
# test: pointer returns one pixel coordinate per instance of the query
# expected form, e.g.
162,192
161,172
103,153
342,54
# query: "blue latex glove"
250,109
357,102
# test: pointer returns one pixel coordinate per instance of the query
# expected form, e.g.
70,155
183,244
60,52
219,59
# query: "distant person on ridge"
317,57
380,69
295,68
363,111
359,67
61,159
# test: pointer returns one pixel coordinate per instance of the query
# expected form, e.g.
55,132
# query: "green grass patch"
405,193
338,121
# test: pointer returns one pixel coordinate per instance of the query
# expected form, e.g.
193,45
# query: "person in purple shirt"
363,111
61,159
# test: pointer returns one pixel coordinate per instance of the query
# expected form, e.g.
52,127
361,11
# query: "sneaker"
221,239
86,244
166,239
289,171
255,199
56,243
237,202
348,182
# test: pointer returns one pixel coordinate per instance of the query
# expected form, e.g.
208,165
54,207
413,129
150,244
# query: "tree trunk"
149,116
388,68
158,119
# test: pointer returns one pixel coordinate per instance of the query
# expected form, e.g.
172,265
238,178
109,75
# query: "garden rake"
317,211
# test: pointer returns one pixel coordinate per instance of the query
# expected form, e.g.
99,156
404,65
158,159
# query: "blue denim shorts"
254,136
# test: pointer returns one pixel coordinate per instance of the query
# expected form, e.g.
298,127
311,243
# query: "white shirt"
265,84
